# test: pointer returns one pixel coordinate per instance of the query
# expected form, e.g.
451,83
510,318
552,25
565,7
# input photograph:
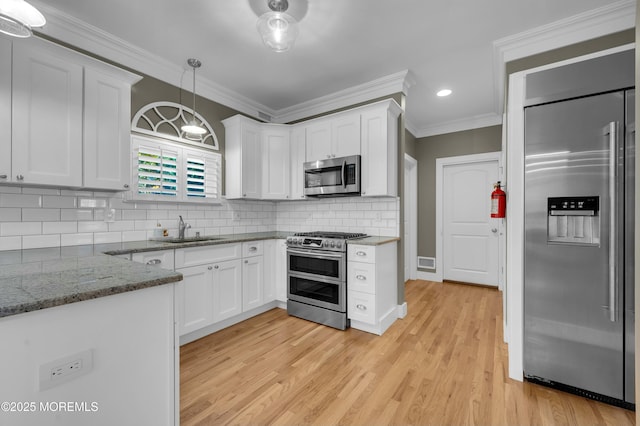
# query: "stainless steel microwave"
332,177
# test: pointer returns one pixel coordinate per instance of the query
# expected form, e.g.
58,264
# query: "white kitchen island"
86,340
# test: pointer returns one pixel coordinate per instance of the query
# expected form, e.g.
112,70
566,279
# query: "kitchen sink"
185,239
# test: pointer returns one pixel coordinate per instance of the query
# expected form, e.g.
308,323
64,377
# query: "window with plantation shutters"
201,173
164,171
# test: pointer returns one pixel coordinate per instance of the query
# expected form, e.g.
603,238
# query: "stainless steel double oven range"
317,277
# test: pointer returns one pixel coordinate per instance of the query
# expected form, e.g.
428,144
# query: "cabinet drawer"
359,253
361,307
252,248
161,258
207,254
361,277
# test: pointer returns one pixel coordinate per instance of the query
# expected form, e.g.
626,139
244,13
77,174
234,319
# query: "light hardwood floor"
444,364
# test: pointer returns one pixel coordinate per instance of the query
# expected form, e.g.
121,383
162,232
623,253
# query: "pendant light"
192,129
277,28
17,18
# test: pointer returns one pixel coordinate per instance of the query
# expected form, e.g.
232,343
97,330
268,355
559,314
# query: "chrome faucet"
182,227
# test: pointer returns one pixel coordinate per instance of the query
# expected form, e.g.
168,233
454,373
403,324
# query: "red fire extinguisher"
498,202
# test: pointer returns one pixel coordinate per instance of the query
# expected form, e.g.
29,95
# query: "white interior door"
470,236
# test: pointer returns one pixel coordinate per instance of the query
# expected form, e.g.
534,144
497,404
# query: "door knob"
494,230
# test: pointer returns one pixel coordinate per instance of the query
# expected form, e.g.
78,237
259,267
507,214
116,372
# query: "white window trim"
159,123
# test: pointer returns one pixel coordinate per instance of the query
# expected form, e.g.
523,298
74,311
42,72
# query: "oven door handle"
315,254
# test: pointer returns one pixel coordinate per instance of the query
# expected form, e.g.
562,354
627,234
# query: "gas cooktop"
335,235
323,240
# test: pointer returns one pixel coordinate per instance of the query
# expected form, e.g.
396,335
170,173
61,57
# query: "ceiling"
346,50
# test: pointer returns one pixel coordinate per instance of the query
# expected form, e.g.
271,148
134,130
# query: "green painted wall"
476,141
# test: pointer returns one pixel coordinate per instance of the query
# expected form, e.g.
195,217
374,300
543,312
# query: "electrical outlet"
65,369
109,215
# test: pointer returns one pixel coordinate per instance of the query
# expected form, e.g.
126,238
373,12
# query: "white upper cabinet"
47,115
107,110
265,161
298,152
5,109
318,141
345,135
243,160
336,136
379,162
70,118
275,162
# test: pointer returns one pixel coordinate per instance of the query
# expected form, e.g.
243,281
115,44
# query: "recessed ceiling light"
444,92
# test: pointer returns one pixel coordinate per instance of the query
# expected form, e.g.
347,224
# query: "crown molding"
476,122
399,82
68,29
594,23
82,35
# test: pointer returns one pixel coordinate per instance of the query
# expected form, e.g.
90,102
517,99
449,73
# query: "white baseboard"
402,310
429,276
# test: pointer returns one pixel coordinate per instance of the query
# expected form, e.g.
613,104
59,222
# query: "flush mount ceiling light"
444,92
17,18
277,28
192,129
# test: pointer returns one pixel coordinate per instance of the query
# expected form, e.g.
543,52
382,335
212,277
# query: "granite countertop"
373,241
43,278
31,285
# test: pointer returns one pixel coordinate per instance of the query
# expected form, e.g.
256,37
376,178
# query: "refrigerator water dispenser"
573,220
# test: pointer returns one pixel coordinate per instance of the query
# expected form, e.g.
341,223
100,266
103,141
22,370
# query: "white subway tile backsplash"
59,227
122,225
40,215
134,214
107,237
13,214
134,236
76,214
62,222
11,243
38,241
62,202
94,226
20,200
76,239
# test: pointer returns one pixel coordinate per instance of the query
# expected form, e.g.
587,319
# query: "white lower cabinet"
280,278
372,286
227,289
194,298
160,258
252,291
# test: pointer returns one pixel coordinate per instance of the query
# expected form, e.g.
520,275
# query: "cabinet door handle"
3,176
361,253
154,262
210,267
216,267
361,307
19,177
253,248
126,186
361,277
246,261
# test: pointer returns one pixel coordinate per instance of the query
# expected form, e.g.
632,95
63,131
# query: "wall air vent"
426,262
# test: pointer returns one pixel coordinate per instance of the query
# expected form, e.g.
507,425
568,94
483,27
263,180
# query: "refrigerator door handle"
611,131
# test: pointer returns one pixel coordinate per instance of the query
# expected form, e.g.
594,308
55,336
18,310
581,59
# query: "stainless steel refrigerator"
579,228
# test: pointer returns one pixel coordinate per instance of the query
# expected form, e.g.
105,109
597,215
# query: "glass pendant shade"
278,30
17,18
